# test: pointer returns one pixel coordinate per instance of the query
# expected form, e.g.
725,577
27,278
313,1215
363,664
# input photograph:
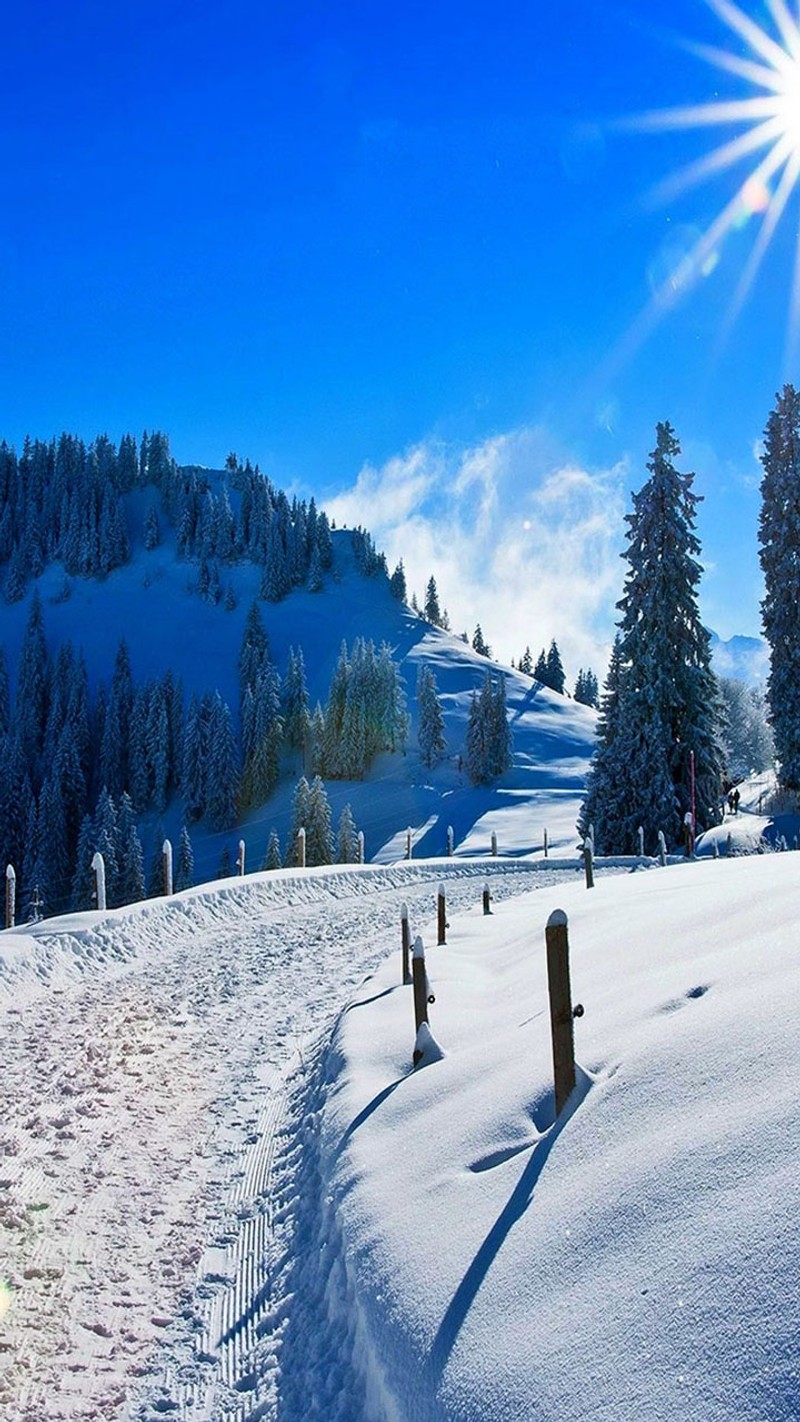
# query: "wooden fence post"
487,898
166,852
546,846
662,849
408,843
588,863
405,942
494,845
449,841
441,917
422,990
730,845
301,847
361,846
99,868
640,834
561,1013
240,859
11,895
715,849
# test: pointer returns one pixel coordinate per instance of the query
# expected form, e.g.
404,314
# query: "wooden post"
441,917
408,843
405,942
99,868
662,849
361,846
561,1015
301,847
588,863
715,849
546,847
730,844
240,859
11,895
487,898
422,988
449,841
640,834
166,852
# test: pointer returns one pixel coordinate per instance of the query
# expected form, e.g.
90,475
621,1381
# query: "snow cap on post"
404,911
557,919
419,948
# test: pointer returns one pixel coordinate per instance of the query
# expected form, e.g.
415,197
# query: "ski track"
163,1225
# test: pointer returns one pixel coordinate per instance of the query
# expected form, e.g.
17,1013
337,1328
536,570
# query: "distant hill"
155,598
742,658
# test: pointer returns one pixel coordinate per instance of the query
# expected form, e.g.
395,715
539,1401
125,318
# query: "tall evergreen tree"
184,865
668,714
430,730
319,838
273,859
779,540
300,813
433,611
347,838
556,679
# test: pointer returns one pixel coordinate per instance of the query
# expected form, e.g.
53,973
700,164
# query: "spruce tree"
300,812
556,679
430,730
779,540
319,838
432,609
347,838
397,583
273,856
184,866
667,714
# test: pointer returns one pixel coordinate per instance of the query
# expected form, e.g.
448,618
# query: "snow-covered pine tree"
430,730
479,643
105,843
294,702
155,875
526,662
540,669
300,811
668,712
397,583
347,838
184,865
556,679
319,838
433,611
222,777
273,858
129,854
779,551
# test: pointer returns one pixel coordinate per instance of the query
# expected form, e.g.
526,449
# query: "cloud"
519,538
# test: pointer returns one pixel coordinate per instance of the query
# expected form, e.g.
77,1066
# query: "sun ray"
705,115
715,162
758,40
763,75
786,25
772,217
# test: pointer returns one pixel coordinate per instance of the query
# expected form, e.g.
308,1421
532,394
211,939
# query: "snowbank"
636,1260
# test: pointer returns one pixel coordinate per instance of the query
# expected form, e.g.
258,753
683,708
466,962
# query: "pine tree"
152,532
430,730
155,878
184,867
300,812
222,777
397,583
347,838
779,540
556,679
129,855
105,843
540,670
33,686
479,644
319,839
526,662
432,610
273,856
667,712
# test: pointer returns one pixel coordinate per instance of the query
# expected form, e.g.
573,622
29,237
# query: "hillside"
152,601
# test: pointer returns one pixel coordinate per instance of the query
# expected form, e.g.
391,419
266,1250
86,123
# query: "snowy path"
160,1223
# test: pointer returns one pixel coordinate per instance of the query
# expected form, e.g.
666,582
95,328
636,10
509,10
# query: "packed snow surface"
226,1194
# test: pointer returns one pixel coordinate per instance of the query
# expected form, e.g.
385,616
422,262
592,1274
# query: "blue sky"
352,236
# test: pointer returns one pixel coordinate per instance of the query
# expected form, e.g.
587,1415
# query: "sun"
766,139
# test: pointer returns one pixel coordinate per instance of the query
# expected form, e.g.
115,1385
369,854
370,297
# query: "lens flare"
768,60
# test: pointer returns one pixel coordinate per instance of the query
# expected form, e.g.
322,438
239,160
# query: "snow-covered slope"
226,1197
636,1260
165,624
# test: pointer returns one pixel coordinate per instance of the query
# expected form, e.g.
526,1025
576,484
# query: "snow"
226,1194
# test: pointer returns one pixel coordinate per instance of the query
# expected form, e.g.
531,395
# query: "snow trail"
161,1220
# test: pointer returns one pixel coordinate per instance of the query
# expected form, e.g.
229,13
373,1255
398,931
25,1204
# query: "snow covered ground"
225,1194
